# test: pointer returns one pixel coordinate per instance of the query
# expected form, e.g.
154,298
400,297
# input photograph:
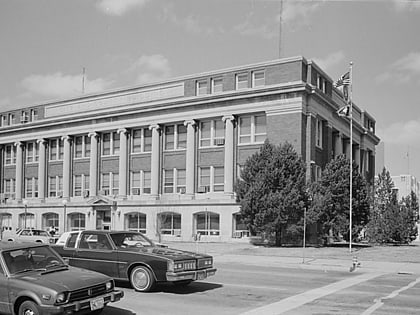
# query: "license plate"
97,303
201,275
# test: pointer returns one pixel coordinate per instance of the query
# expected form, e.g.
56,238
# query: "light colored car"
30,235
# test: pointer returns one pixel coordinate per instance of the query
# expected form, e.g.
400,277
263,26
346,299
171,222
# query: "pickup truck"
128,255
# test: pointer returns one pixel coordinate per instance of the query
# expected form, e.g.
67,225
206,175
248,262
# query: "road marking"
251,287
379,302
298,300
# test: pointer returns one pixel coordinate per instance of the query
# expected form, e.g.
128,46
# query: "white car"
30,235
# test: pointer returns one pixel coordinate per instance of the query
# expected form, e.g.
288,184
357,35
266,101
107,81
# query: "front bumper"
73,307
190,275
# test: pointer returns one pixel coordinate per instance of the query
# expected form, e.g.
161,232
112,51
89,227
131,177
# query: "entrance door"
103,219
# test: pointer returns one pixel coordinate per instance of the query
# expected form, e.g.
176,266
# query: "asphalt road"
251,289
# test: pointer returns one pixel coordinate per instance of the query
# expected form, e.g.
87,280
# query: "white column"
41,168
154,182
123,163
66,167
229,153
19,170
190,156
93,165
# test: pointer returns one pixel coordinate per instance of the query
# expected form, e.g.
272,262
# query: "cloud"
402,133
410,5
119,7
298,10
404,70
151,68
331,60
58,85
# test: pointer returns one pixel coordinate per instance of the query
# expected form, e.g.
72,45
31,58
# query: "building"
405,184
163,158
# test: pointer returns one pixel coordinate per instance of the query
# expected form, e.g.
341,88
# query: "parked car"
126,255
34,279
30,235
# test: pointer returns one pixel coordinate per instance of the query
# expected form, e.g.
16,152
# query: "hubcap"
28,312
140,279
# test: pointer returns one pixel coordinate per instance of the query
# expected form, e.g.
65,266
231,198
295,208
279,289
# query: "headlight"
61,298
175,266
109,285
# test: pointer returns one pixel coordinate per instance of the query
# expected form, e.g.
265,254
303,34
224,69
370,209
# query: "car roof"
18,245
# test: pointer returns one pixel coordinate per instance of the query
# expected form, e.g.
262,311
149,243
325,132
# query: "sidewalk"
388,259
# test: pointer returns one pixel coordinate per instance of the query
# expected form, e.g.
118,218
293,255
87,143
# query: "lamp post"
25,203
65,215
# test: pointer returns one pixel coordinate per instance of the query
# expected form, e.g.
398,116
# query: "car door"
4,292
96,253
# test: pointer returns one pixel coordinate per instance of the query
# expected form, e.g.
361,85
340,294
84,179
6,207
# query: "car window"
71,241
124,240
95,241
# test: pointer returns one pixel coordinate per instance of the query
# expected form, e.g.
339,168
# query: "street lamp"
65,206
25,203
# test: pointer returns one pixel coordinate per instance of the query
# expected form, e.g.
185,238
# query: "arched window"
49,220
135,221
6,221
77,221
27,220
207,223
169,223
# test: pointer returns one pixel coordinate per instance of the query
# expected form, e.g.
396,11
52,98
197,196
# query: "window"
141,140
32,152
252,129
175,137
207,223
27,220
181,180
50,220
24,117
216,85
31,187
174,181
77,221
242,81
168,183
109,184
11,119
240,227
10,155
140,182
318,133
170,223
6,221
201,87
56,149
34,115
321,84
258,78
9,188
212,133
211,179
110,143
55,186
135,222
81,147
81,185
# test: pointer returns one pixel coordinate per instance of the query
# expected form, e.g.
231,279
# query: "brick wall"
286,127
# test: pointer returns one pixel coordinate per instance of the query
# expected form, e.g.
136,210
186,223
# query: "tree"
272,191
330,205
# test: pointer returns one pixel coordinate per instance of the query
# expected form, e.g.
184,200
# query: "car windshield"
125,240
31,258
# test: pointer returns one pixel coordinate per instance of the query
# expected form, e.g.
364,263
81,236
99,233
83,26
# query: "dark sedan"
126,255
35,280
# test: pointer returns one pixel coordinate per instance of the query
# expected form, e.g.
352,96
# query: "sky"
46,44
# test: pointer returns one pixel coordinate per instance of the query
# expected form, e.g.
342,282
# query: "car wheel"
29,308
141,279
182,283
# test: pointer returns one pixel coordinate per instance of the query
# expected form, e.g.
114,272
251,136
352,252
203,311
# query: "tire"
96,312
182,283
29,308
142,279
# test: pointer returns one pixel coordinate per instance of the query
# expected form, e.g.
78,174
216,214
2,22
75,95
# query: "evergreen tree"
272,191
331,200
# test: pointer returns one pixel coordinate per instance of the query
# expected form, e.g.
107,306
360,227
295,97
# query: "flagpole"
351,153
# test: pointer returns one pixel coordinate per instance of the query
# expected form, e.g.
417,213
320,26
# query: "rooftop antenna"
83,80
280,27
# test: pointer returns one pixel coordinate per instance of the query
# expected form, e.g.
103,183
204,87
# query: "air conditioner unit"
136,191
219,141
182,190
203,189
104,192
177,232
60,194
85,194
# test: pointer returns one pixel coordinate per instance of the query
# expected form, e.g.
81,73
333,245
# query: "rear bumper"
71,308
190,275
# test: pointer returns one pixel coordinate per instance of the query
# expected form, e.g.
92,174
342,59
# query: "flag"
343,80
344,111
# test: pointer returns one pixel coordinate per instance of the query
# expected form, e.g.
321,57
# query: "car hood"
65,279
170,253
